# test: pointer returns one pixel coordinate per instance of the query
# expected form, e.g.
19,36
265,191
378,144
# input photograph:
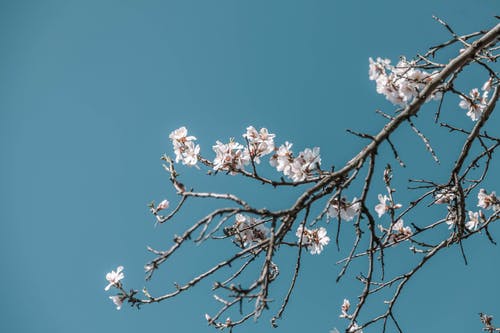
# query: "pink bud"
163,205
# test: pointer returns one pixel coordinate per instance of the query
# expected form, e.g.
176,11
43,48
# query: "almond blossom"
488,201
475,103
259,143
184,148
282,158
162,205
303,165
355,329
230,156
248,230
400,84
114,278
118,300
383,207
444,197
314,240
347,210
400,229
473,222
344,308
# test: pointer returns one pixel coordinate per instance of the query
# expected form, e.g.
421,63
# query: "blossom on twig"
314,240
114,277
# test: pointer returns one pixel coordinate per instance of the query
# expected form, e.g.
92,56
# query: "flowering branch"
259,233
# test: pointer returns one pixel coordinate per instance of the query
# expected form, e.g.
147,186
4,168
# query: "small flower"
259,143
344,308
400,229
230,156
475,103
314,240
118,300
488,201
184,148
283,158
248,230
473,222
444,198
355,329
487,85
382,207
114,277
348,210
163,205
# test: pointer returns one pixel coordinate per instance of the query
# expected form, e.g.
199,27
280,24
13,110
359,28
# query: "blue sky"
90,90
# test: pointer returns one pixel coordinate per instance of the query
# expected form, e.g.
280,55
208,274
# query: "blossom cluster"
234,156
248,230
383,206
400,84
354,328
313,239
184,147
485,201
114,278
343,208
476,102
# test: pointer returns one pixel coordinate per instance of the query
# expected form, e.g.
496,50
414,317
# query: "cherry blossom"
118,300
283,158
474,104
303,165
355,329
230,156
259,143
473,222
248,230
403,82
488,201
163,205
344,308
444,197
399,228
184,148
314,240
114,277
383,207
348,210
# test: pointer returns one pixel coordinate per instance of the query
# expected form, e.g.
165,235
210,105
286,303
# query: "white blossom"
303,165
283,158
184,148
249,230
348,210
230,156
400,84
475,103
114,277
401,230
381,208
487,85
260,143
118,300
344,308
444,197
163,205
314,240
473,222
488,201
355,329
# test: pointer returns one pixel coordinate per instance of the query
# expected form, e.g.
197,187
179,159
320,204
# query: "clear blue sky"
90,90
